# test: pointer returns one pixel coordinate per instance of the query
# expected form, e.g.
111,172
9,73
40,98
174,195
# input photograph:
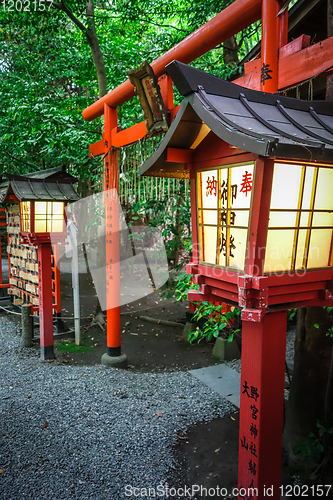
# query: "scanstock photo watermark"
199,491
165,491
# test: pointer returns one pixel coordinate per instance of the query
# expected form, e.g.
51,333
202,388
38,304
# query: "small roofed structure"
46,185
252,121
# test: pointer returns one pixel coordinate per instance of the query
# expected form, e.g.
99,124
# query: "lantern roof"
39,186
257,122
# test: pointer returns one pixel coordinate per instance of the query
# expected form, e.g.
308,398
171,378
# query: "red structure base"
261,403
45,301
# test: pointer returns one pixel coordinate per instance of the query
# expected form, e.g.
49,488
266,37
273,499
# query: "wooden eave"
263,124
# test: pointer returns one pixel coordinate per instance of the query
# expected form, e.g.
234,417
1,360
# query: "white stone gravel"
103,428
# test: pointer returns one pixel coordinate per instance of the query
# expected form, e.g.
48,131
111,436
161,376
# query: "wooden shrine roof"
256,122
29,188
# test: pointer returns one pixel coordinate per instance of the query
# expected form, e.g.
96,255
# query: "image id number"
26,5
303,490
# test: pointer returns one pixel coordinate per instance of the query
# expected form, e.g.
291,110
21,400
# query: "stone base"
115,361
188,328
224,350
46,352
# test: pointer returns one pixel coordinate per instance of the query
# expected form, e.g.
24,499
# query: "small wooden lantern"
42,204
40,219
261,171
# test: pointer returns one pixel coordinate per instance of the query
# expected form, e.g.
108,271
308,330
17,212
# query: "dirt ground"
157,347
151,346
209,454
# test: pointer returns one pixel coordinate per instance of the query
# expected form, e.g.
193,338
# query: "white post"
72,232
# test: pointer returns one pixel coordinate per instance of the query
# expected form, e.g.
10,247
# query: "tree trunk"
91,35
96,50
306,404
230,52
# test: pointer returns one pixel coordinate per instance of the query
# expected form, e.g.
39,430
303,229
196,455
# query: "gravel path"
104,430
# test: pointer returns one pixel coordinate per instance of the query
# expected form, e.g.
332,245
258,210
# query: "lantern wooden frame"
236,120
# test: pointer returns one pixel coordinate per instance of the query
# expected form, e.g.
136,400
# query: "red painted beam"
177,155
306,64
97,148
129,135
295,68
45,301
231,20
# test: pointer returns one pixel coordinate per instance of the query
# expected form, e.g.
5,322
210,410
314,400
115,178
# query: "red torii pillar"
113,356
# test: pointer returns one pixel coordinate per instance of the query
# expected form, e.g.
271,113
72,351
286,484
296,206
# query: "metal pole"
72,231
27,325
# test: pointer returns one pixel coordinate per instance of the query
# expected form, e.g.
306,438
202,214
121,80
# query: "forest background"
58,58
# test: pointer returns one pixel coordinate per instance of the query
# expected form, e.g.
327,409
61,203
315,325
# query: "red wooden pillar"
113,357
56,267
193,191
45,301
270,45
261,405
0,261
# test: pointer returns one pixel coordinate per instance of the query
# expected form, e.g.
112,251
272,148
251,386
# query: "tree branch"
21,161
62,6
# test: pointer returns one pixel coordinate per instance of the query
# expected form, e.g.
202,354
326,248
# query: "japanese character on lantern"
211,187
246,184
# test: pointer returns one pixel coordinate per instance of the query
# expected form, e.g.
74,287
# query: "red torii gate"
289,65
286,64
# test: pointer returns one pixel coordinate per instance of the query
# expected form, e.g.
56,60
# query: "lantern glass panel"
25,216
279,249
308,188
283,219
49,217
324,198
301,246
286,184
301,238
224,200
319,248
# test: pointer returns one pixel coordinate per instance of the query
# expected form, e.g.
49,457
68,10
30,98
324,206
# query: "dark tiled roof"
28,188
257,122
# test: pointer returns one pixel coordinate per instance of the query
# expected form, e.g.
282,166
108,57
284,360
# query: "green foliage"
44,65
216,323
179,287
310,447
292,314
72,347
313,445
47,74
